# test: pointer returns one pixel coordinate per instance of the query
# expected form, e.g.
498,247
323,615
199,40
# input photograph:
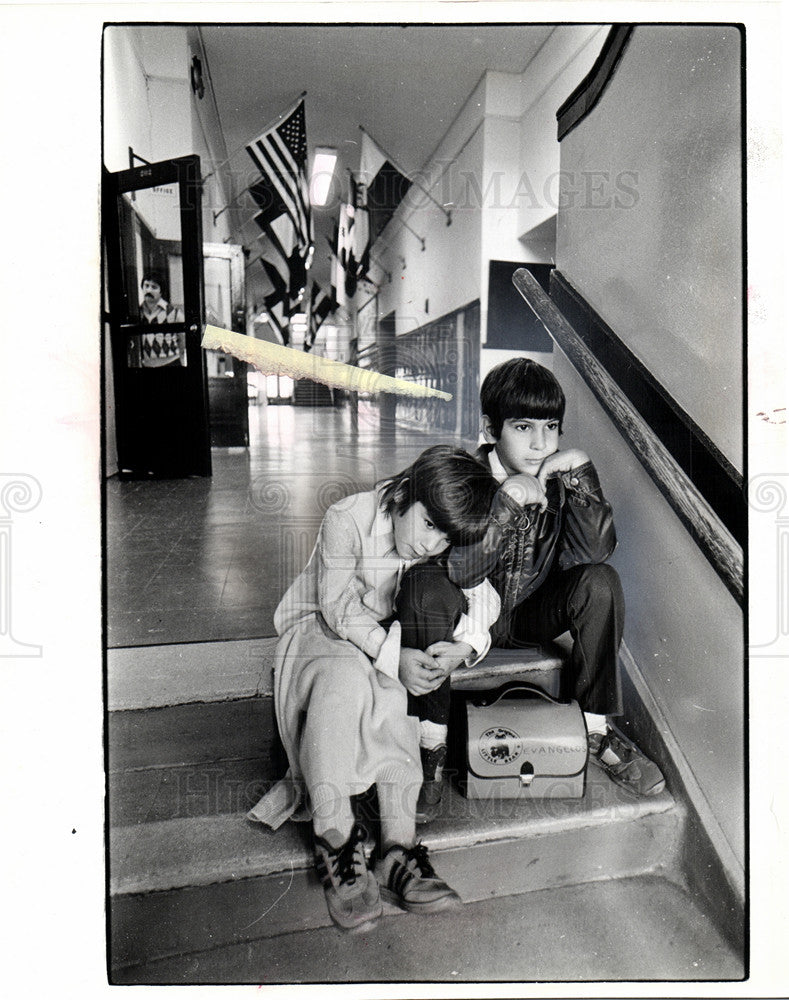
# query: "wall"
553,74
683,628
208,142
497,168
448,272
521,165
149,106
146,94
663,270
662,265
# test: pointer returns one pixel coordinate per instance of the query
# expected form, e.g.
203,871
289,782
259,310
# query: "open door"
225,306
154,266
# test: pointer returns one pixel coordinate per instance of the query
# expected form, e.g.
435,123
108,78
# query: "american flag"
280,154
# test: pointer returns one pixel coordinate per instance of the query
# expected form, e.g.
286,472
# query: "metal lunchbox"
521,743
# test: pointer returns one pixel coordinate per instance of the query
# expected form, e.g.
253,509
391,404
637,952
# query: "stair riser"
192,760
192,790
160,924
192,733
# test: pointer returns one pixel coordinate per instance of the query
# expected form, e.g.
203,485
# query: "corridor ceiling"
404,84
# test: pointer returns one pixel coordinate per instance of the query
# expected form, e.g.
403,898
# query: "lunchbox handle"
485,698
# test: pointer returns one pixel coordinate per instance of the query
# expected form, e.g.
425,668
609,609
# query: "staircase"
196,889
309,393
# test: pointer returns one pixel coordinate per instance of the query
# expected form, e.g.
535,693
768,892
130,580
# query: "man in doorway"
160,349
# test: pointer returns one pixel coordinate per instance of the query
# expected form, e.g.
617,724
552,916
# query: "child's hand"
561,461
525,489
450,655
418,671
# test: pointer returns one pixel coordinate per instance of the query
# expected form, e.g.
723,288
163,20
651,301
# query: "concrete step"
188,884
191,760
141,677
203,759
180,673
650,930
188,872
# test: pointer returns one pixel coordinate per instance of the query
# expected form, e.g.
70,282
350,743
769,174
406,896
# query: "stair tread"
184,852
151,677
219,730
538,664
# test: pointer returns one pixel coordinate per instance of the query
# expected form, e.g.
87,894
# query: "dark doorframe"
159,370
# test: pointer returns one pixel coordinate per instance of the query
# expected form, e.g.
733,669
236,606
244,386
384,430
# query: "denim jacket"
523,543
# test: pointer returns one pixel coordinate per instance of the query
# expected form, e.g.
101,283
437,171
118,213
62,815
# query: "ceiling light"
322,172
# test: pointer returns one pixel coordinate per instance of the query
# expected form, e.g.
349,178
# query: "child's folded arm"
473,627
340,588
582,484
588,535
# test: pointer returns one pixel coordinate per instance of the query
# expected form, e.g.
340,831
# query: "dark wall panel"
511,327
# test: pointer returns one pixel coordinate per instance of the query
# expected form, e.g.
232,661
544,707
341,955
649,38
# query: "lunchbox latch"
527,773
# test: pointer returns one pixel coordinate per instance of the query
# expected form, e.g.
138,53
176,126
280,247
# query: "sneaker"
408,880
429,801
624,763
351,890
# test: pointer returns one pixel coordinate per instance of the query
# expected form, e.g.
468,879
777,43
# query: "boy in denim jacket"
545,553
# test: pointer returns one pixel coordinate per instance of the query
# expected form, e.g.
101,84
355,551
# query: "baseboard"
710,868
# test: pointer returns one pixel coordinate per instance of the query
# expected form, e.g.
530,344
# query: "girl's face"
416,537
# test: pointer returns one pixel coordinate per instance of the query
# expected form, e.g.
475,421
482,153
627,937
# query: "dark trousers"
587,600
428,606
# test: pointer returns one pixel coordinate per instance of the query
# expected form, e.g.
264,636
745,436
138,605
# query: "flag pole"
234,201
413,233
394,163
379,263
284,114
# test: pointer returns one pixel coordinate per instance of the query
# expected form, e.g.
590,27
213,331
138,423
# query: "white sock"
432,734
334,821
596,723
599,724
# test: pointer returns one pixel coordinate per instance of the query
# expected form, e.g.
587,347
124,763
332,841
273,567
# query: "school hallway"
590,889
570,194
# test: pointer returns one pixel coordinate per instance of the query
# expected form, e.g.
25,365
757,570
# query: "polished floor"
203,559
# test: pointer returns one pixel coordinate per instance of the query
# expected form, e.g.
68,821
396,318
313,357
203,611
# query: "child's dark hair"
455,488
521,388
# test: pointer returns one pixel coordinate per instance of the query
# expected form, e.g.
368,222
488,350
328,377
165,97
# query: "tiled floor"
196,560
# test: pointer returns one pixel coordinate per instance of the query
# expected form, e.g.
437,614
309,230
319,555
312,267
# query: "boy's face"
524,443
416,537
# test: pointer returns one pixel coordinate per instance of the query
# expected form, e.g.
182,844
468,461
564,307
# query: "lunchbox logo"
500,745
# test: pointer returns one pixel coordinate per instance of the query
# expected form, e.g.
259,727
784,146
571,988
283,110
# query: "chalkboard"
512,326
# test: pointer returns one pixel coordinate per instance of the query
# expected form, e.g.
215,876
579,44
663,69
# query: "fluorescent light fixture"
322,172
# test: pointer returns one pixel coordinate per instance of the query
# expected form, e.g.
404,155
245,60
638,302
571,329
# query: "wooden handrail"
706,528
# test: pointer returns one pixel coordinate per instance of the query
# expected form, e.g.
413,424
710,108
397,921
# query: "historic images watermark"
215,790
19,494
465,190
768,500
